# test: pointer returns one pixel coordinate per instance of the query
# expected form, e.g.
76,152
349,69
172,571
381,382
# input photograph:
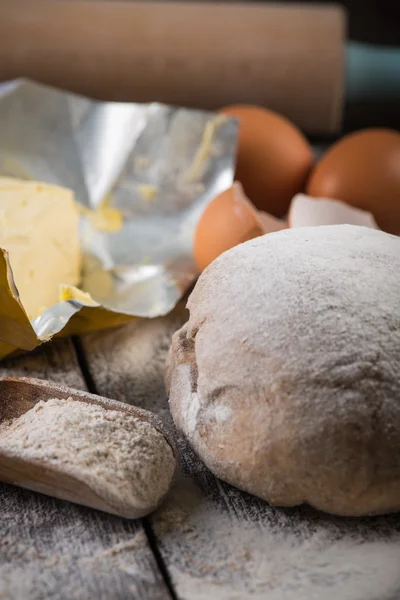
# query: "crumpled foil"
157,165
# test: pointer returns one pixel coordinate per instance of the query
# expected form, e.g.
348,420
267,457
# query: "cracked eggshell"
313,212
228,220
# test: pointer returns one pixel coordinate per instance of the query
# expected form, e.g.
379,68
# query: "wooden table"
209,540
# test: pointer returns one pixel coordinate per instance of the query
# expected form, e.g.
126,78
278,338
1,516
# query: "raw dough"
286,378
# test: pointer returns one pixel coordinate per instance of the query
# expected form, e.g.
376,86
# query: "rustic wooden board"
55,550
56,362
218,542
126,363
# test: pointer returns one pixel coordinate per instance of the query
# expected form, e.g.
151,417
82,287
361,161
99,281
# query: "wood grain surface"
50,549
211,541
220,543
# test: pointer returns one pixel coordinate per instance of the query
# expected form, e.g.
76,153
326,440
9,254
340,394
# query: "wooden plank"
126,363
57,550
56,362
218,542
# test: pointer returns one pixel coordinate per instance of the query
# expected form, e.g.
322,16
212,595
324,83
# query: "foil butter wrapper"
155,166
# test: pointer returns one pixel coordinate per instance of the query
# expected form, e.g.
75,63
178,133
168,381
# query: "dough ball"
286,378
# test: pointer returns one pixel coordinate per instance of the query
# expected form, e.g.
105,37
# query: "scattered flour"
122,458
128,361
284,555
58,550
191,408
119,556
222,413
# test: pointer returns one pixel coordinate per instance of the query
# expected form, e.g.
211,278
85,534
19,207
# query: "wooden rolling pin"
287,57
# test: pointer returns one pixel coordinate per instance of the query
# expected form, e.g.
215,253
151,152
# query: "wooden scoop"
17,396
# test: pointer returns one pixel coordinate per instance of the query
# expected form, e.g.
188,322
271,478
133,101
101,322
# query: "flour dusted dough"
286,378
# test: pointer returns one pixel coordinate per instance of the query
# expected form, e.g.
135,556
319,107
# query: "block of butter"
39,228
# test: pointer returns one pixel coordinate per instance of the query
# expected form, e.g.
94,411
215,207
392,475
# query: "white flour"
129,361
211,553
122,458
191,407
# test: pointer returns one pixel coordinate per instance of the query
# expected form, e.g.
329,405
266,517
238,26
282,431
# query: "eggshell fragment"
270,223
274,157
313,212
228,220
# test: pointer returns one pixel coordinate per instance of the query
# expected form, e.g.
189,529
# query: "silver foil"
115,150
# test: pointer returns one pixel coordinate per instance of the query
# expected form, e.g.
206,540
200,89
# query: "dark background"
374,21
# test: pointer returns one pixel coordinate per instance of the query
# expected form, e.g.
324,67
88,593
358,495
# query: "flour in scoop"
122,458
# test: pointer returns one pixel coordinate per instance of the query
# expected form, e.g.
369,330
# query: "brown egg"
228,220
274,158
363,169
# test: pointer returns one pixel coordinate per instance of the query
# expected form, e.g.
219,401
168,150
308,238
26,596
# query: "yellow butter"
148,191
39,228
105,218
70,292
205,150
